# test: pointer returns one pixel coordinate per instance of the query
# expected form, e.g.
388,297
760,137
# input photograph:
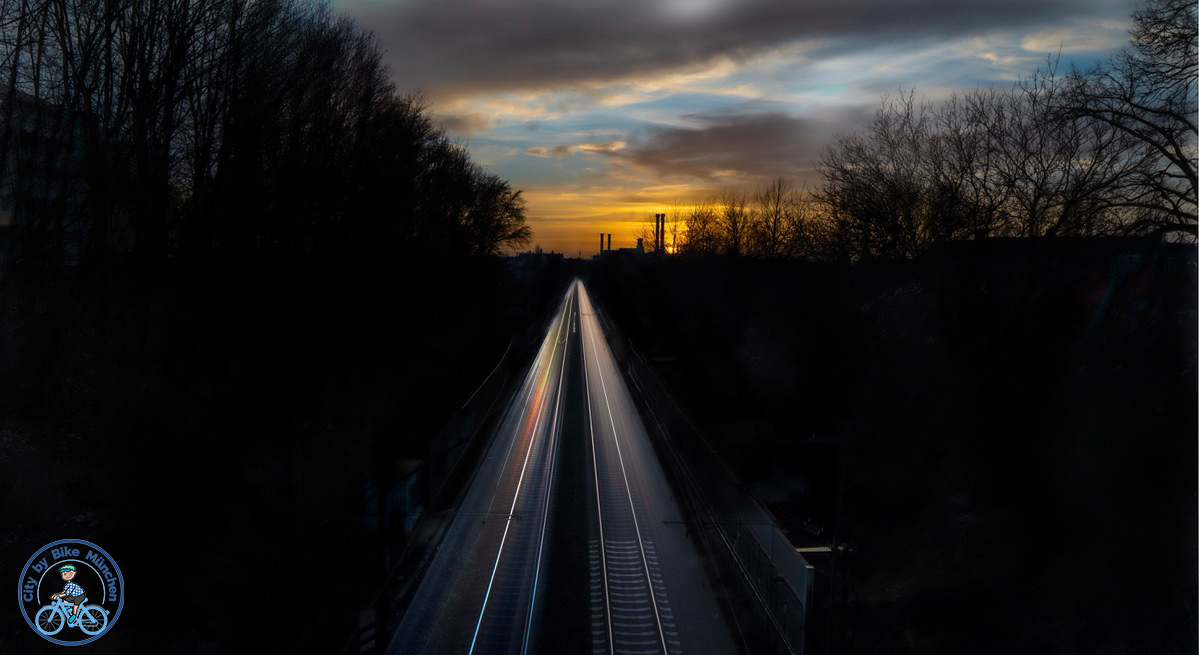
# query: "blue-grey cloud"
457,47
464,124
730,146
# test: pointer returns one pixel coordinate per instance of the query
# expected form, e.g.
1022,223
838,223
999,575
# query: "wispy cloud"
556,151
731,148
611,146
467,47
1077,37
603,110
569,150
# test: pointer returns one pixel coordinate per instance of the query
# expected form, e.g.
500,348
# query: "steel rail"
649,582
516,495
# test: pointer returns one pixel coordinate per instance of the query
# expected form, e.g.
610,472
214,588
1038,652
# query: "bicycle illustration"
51,618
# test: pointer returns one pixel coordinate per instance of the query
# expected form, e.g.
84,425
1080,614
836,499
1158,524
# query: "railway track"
630,610
506,616
567,538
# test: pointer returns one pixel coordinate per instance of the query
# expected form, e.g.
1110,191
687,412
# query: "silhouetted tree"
1106,151
1148,93
875,186
1060,172
250,129
675,226
775,208
963,159
496,218
702,235
735,222
647,231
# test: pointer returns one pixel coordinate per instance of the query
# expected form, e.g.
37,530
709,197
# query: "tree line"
171,131
1104,151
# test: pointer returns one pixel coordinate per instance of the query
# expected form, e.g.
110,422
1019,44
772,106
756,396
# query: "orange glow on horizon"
570,220
572,236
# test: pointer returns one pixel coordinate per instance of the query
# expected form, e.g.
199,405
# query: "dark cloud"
464,124
741,147
459,47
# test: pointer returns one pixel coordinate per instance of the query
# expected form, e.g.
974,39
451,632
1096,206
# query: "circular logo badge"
71,592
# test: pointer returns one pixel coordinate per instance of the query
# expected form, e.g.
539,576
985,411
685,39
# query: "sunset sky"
606,111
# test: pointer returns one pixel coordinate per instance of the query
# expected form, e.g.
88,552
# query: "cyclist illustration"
69,617
72,593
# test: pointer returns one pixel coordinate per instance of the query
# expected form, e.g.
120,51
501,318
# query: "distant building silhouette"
637,250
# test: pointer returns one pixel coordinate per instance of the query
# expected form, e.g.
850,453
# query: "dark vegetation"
243,281
968,358
1001,432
